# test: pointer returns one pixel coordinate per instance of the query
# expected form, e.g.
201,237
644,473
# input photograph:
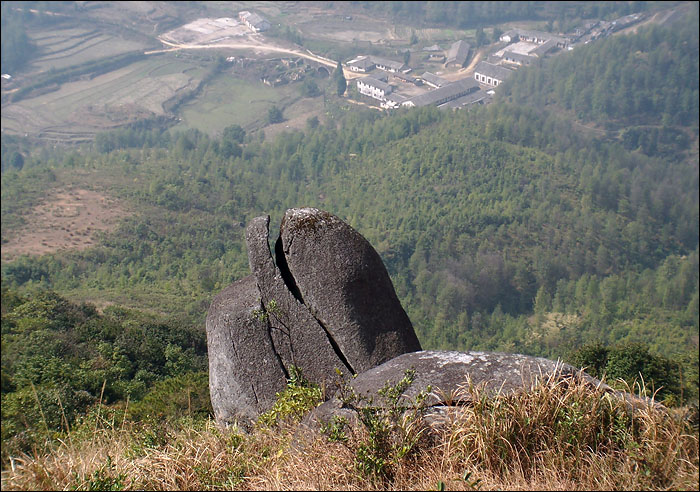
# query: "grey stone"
245,373
261,326
297,336
340,277
448,373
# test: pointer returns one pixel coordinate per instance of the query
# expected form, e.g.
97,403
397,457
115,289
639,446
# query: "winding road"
257,46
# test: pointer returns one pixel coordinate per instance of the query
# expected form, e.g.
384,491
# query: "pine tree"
341,83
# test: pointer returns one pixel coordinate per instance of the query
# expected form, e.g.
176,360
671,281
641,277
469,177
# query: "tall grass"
557,436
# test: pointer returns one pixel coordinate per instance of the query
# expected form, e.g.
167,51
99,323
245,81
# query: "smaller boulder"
448,372
245,372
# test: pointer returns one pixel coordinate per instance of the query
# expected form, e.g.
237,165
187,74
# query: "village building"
374,88
458,54
477,97
393,101
368,63
435,53
509,36
254,21
407,78
544,48
517,58
434,80
491,75
443,94
361,64
387,65
536,37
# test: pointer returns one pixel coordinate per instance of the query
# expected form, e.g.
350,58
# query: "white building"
254,21
492,75
536,37
361,64
367,63
387,65
373,88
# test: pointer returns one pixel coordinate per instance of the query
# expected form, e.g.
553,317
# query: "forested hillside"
644,85
475,14
505,227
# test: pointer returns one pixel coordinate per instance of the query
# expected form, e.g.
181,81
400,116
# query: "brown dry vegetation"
66,219
554,437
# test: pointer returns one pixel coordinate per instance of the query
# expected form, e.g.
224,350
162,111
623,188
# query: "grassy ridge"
554,437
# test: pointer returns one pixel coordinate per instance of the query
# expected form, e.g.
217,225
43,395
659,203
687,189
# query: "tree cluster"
60,358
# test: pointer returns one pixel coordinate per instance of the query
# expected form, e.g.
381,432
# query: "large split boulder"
342,280
297,337
323,302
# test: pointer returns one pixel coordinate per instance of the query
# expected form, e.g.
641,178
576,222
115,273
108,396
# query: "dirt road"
256,46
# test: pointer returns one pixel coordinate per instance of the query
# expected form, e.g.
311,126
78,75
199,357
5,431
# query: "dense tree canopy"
645,79
503,227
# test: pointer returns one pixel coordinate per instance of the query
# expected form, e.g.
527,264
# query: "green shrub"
174,397
631,365
298,397
388,432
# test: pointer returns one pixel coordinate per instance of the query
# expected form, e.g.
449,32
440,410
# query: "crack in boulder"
272,342
344,284
297,336
336,348
287,330
287,277
324,302
244,376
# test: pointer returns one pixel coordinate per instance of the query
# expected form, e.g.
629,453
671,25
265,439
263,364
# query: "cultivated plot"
61,48
83,108
227,100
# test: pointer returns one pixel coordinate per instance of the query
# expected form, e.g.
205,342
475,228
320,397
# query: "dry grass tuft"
558,436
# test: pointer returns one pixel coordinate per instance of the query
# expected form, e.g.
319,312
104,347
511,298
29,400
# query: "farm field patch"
68,218
83,108
68,47
227,100
296,115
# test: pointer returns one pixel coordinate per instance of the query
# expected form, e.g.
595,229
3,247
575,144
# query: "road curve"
251,46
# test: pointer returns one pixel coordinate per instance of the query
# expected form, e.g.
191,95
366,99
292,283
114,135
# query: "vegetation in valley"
559,221
61,360
643,86
559,16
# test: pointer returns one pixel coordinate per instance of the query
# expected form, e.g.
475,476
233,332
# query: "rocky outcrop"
448,373
245,372
298,338
323,302
341,279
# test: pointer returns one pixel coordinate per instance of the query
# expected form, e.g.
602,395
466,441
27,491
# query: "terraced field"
60,48
78,110
70,112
